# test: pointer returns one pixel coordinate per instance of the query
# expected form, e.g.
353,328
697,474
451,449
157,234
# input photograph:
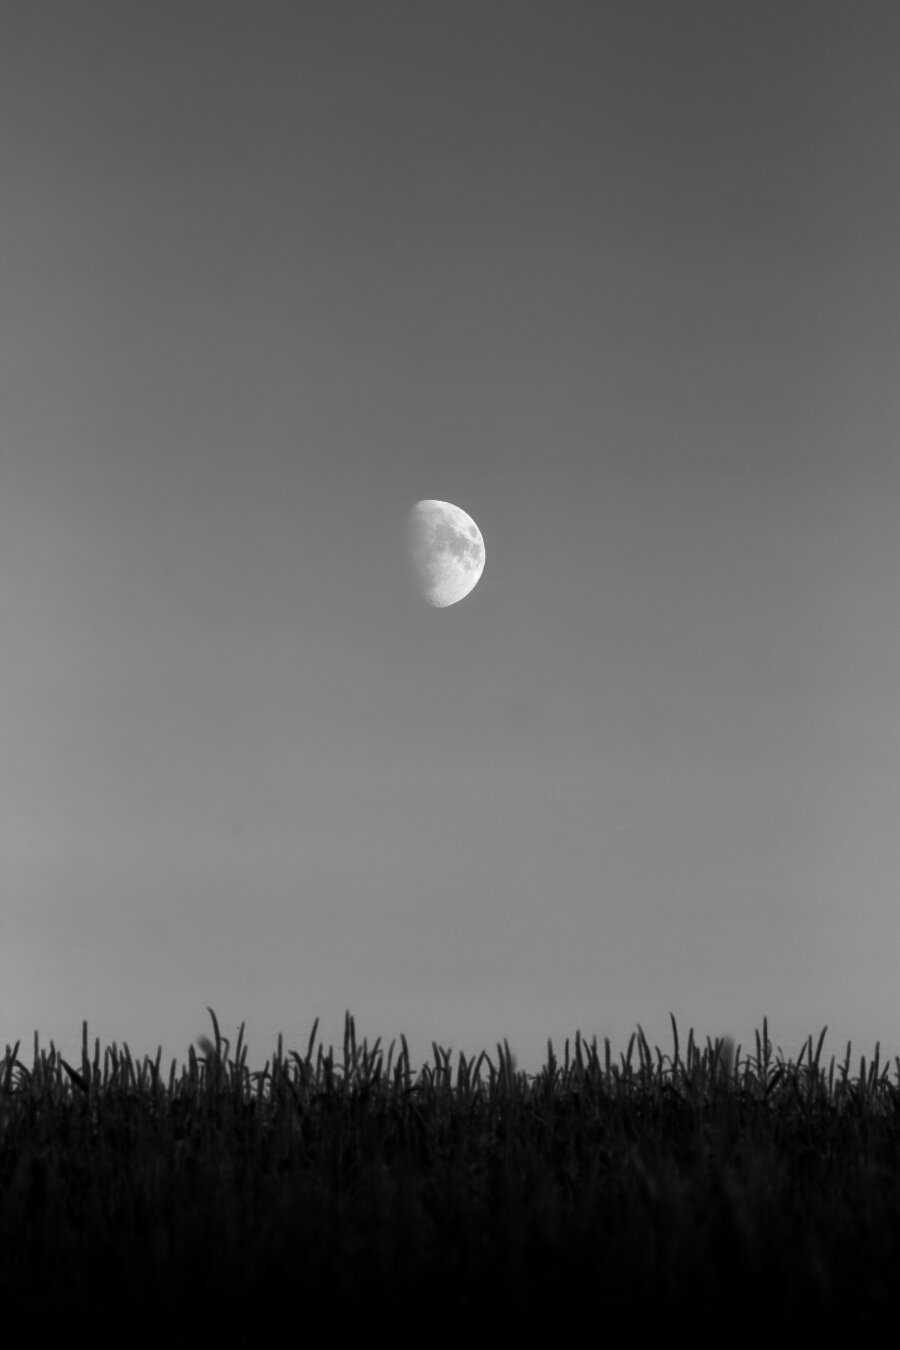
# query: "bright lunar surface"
446,550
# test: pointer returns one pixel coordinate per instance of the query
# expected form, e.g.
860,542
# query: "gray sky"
621,281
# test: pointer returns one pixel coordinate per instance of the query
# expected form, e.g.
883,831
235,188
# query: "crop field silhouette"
704,1192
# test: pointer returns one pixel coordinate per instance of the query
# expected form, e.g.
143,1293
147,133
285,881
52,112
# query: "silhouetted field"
698,1191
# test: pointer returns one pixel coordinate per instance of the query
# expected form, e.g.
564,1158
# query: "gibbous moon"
446,551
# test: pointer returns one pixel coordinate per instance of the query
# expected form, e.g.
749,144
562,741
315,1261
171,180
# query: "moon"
446,551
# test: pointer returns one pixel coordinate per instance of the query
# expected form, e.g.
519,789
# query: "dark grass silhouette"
703,1193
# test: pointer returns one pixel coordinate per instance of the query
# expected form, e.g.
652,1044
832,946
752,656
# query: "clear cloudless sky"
621,280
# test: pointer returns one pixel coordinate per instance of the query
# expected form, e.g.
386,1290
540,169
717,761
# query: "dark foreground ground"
656,1195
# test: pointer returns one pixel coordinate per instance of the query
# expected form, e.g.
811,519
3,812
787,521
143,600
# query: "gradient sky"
623,282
